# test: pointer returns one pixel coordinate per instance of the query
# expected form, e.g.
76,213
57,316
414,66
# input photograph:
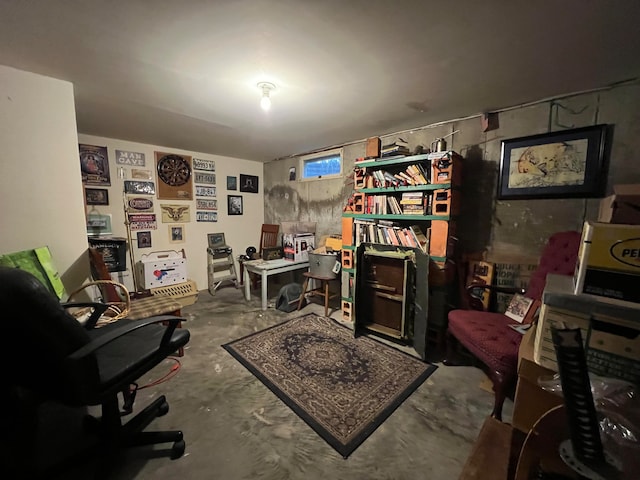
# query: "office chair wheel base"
177,450
163,409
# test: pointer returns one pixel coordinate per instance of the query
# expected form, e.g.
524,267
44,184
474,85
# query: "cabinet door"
421,304
385,287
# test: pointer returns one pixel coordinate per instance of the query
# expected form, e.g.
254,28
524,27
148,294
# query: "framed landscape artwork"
564,164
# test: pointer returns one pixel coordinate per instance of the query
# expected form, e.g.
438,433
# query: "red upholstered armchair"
487,335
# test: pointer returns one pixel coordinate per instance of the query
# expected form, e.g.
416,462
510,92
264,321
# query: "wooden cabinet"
392,294
386,293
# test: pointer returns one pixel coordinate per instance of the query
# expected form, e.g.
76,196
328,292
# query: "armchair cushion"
488,337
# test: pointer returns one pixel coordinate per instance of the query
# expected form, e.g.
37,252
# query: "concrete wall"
40,184
485,223
240,230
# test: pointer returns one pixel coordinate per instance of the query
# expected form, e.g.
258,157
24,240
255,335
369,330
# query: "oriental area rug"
342,387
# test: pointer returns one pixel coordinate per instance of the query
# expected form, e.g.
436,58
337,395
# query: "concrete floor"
235,428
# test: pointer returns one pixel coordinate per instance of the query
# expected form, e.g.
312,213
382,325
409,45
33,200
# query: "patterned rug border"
343,449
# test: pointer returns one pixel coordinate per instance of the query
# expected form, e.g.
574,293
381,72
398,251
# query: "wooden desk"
266,268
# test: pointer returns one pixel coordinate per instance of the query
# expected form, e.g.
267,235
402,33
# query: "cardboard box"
611,332
621,207
372,148
297,246
531,401
609,261
160,269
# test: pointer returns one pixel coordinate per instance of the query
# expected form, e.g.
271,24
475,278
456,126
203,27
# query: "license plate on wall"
205,191
206,216
209,178
208,165
204,204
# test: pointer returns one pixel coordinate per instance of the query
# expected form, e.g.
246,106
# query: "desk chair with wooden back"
268,239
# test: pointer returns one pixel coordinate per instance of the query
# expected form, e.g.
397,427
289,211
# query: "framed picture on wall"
96,196
144,239
564,164
232,183
234,204
176,234
248,183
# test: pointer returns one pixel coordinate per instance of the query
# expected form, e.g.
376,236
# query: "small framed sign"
96,196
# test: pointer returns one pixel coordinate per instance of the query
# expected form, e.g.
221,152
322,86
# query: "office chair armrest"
125,327
98,309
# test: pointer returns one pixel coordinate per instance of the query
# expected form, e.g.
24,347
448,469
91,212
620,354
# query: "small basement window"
327,164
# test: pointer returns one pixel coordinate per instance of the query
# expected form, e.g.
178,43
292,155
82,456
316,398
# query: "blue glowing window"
330,165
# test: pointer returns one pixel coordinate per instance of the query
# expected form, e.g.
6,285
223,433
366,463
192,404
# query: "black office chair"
51,357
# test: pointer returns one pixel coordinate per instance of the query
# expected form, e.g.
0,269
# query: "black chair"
55,358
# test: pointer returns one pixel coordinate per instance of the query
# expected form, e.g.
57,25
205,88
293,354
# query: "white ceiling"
183,73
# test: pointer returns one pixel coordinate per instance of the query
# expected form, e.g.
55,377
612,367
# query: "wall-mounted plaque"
175,213
133,159
139,188
139,204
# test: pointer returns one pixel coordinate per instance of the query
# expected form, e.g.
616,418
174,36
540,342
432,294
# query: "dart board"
174,170
174,176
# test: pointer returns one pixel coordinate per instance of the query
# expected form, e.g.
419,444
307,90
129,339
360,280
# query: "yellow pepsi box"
609,262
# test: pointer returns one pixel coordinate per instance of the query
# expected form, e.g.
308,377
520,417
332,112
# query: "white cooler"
160,269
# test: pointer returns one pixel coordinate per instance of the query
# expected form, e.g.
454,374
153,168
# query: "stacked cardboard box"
609,261
611,332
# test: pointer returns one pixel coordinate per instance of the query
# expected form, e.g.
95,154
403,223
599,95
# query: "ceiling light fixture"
266,88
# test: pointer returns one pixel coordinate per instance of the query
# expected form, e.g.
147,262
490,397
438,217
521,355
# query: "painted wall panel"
40,189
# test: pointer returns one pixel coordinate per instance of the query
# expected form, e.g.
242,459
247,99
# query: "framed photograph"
234,204
216,240
248,183
96,196
565,164
176,234
144,239
519,307
232,183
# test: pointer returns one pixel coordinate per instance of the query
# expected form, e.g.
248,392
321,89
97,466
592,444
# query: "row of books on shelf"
390,233
413,174
410,203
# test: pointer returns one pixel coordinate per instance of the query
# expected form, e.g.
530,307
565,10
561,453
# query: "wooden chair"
268,238
143,305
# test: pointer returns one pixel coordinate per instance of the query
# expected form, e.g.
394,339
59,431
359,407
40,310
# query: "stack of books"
412,203
398,148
